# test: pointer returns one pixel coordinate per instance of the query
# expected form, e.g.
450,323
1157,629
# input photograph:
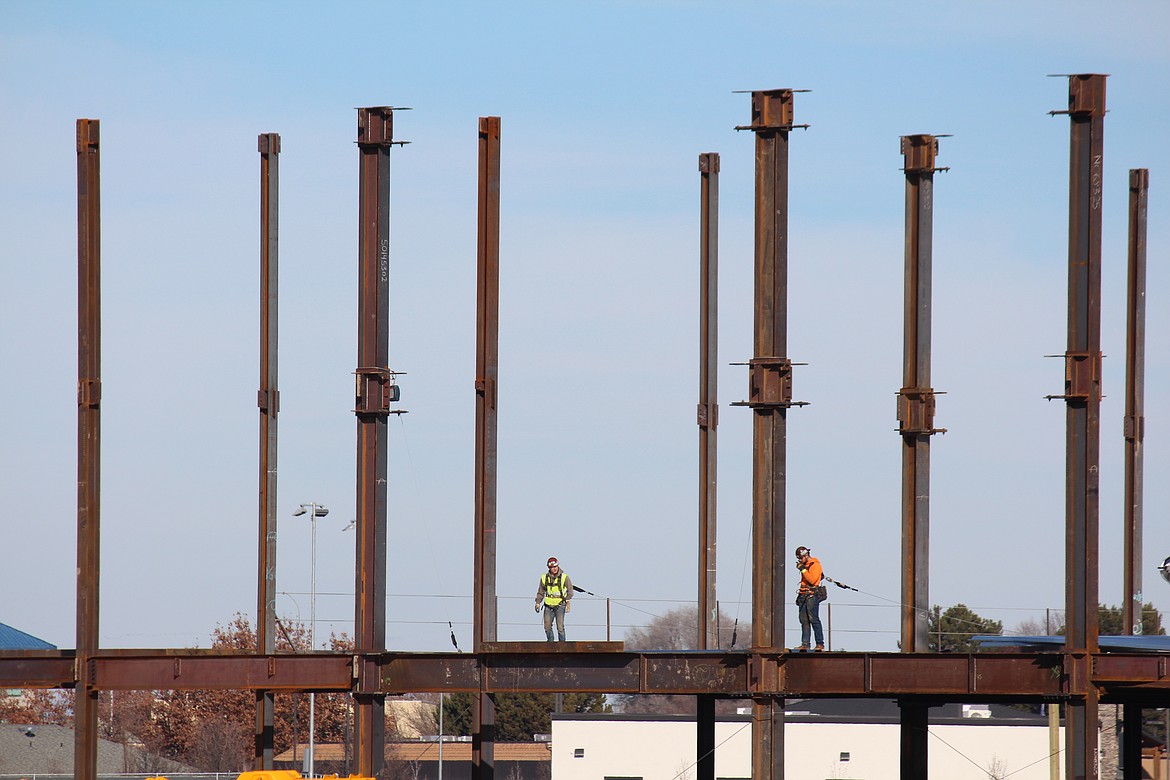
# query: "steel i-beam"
916,398
373,394
708,419
916,426
486,374
769,396
708,415
1134,429
268,400
1082,396
1135,397
89,393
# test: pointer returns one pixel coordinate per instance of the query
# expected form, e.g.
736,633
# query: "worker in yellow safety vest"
553,594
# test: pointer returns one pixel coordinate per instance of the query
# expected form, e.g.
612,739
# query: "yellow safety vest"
554,590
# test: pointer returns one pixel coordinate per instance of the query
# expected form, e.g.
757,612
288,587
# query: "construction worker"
553,594
809,597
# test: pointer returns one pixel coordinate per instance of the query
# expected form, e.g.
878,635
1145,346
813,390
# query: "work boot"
802,649
819,649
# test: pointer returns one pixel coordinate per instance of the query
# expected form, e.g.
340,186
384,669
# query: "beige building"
824,740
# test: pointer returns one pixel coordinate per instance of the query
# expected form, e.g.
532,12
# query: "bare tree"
997,768
678,629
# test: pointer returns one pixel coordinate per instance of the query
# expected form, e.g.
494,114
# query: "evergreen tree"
1109,622
518,715
951,631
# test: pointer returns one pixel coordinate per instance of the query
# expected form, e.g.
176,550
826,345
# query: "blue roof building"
15,639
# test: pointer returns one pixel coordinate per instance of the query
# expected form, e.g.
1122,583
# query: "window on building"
844,756
621,777
578,752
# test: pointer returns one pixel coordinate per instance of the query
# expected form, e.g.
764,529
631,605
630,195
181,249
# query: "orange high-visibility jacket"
810,577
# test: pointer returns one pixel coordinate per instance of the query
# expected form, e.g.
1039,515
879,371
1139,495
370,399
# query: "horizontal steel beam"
37,669
1119,677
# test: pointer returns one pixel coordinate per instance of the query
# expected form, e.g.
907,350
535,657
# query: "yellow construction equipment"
279,774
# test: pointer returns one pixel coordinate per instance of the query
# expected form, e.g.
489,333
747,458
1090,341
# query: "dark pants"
810,619
557,612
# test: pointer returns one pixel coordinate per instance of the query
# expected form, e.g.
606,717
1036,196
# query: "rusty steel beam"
916,398
1135,397
708,419
769,396
1120,677
37,669
374,389
483,720
486,375
708,414
1134,432
268,400
1082,395
165,670
89,393
954,677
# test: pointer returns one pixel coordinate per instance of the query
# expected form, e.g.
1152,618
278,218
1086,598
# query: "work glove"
538,608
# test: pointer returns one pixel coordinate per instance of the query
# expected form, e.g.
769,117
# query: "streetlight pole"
313,510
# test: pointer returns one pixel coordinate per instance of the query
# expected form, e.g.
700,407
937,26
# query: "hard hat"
552,561
1165,569
802,551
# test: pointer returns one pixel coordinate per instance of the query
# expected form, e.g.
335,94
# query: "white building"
826,739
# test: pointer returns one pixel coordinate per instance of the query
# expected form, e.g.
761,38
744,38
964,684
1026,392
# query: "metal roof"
15,639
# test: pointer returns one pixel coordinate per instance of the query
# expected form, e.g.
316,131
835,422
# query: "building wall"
665,750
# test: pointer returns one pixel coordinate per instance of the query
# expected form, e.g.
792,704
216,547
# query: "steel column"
708,415
912,715
1082,395
1131,742
705,737
916,398
483,725
708,420
89,393
268,399
770,396
1135,397
373,393
1134,431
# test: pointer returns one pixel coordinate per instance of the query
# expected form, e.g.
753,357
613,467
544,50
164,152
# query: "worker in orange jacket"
809,597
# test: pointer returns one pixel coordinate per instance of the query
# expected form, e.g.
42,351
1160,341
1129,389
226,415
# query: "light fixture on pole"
313,510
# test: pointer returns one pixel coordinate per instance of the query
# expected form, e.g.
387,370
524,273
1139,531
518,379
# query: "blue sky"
605,108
